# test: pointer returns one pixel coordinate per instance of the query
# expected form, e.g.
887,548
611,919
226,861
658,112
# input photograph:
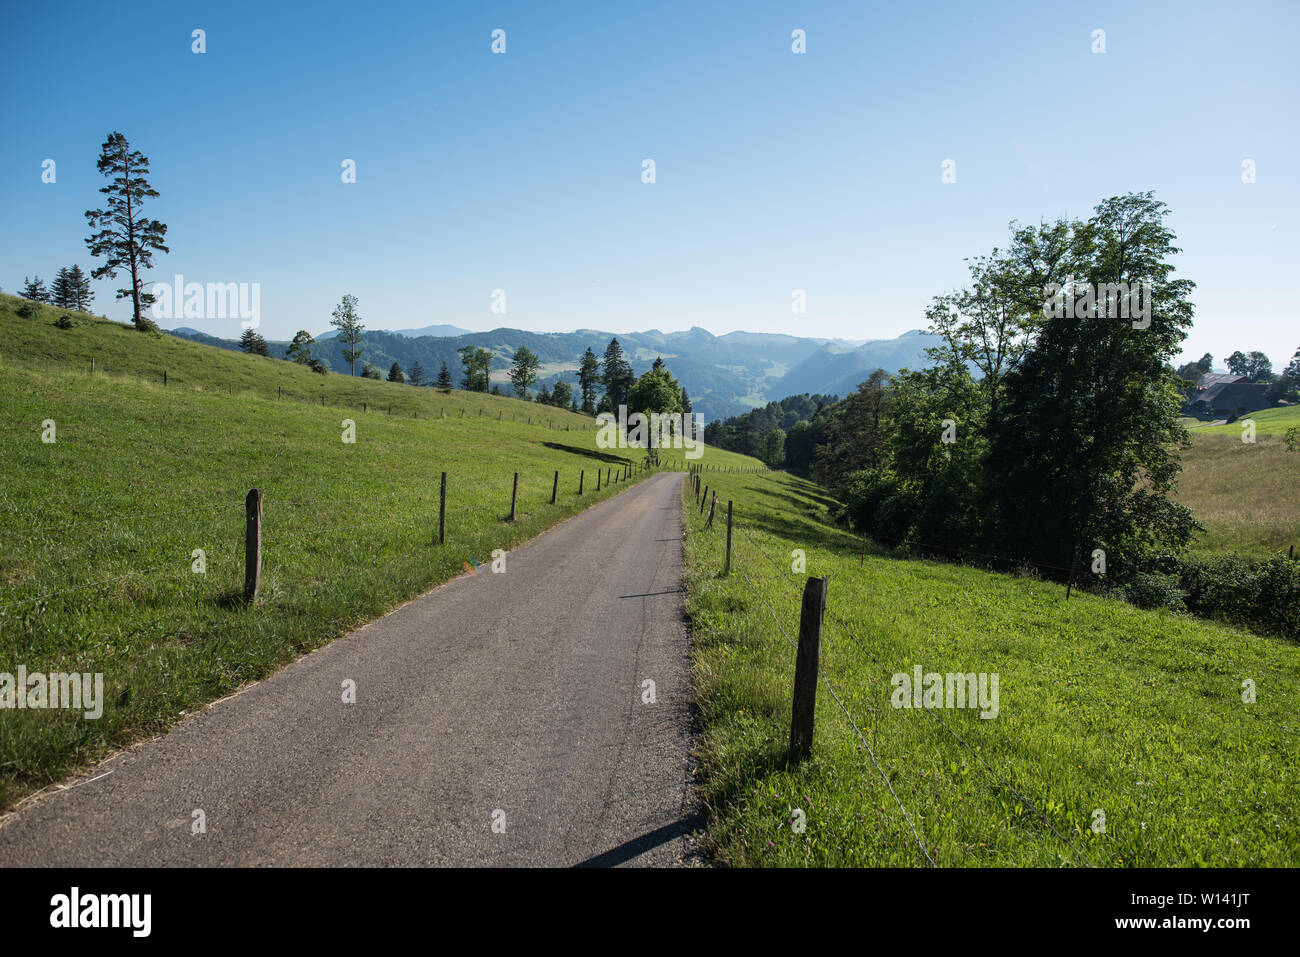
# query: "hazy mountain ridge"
724,375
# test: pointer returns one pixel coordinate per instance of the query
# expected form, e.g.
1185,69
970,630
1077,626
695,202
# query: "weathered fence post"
727,570
514,494
581,474
442,511
705,500
164,377
712,506
252,544
555,486
806,658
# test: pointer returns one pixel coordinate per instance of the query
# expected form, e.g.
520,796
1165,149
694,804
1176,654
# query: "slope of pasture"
1121,737
1246,494
98,532
120,351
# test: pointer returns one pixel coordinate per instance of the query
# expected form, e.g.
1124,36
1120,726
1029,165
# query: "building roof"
1220,378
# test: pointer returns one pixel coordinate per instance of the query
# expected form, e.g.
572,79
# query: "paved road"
517,695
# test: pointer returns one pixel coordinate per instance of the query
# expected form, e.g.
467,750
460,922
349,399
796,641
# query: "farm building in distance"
1223,394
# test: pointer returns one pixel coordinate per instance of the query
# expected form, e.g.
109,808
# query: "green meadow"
1246,494
99,528
1121,738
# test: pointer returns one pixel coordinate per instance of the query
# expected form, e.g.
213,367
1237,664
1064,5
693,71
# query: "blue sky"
775,171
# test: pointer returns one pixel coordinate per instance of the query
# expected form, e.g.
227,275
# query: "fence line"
474,508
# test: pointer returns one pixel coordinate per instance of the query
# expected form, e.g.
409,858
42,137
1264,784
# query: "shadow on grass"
606,457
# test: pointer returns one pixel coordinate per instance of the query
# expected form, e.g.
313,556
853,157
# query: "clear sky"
774,171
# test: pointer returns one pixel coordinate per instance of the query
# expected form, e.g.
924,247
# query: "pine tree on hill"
588,379
82,297
444,379
616,376
125,236
34,289
61,292
253,344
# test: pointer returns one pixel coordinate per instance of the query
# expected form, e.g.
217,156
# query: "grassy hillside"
1247,495
98,529
120,351
1103,707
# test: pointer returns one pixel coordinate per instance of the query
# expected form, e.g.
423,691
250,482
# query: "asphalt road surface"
499,720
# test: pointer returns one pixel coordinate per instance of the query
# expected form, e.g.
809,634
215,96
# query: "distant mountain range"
724,375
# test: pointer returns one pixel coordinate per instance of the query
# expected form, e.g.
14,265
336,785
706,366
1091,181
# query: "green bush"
1154,590
1262,596
65,321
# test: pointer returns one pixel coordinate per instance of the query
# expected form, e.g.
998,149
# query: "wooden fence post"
598,474
811,615
164,377
704,501
581,474
252,544
514,494
92,365
727,570
555,486
712,505
442,511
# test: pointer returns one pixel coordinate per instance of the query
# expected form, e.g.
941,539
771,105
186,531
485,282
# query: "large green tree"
1083,447
126,237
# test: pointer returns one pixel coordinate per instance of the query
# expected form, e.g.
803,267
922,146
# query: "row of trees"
69,290
612,373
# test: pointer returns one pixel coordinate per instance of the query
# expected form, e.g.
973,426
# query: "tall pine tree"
588,379
61,290
616,376
125,236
